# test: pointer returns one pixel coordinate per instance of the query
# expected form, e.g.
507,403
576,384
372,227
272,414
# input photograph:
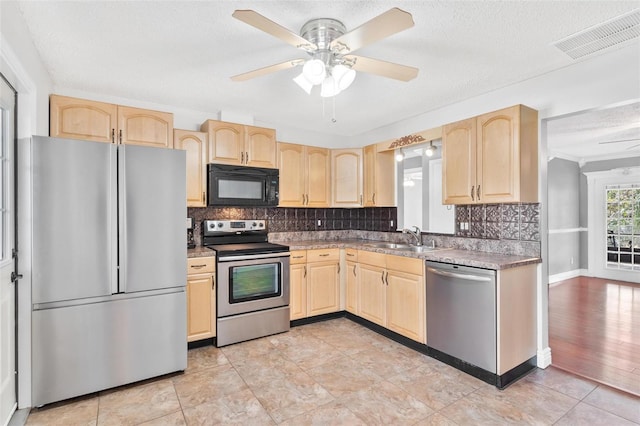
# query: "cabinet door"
346,170
194,143
352,287
372,301
459,162
201,305
145,127
369,175
226,142
406,305
291,162
260,147
323,287
379,177
298,291
498,150
318,177
73,118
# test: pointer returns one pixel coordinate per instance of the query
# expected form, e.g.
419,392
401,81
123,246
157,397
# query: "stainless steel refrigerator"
108,265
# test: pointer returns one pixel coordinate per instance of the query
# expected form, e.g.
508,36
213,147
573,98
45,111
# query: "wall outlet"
391,224
319,222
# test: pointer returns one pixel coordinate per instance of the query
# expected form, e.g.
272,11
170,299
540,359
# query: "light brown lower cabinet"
314,282
201,298
392,293
352,281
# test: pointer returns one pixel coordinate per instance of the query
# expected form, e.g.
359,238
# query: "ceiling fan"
331,63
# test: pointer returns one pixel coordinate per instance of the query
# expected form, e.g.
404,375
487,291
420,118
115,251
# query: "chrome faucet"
417,234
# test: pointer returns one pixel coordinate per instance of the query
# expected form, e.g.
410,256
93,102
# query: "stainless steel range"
253,280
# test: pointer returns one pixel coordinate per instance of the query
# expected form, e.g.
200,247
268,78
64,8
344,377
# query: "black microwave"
237,186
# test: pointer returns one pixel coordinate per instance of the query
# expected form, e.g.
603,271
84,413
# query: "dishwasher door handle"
461,276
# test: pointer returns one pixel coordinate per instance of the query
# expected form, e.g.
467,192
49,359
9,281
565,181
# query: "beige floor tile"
616,402
306,350
479,409
258,371
437,388
292,396
344,376
331,414
239,408
80,411
137,404
199,359
252,348
208,385
541,403
386,363
173,419
386,404
436,419
585,414
561,381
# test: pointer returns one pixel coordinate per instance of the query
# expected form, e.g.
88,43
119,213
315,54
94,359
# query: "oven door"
249,283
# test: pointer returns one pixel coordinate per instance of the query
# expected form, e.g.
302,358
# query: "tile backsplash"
285,219
519,221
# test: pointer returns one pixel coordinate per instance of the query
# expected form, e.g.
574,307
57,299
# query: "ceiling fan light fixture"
400,156
304,83
343,75
315,71
329,87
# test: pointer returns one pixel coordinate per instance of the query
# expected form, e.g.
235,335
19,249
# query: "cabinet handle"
213,283
478,193
361,199
350,254
306,196
203,200
338,268
382,277
120,135
198,266
113,135
246,157
298,257
242,157
354,270
373,199
472,198
324,255
305,272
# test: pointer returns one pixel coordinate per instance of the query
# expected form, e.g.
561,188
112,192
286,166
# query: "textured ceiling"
183,53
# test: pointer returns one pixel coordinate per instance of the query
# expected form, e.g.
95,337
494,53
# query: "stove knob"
219,224
261,225
254,224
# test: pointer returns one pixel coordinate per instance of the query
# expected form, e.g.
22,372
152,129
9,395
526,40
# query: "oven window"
246,189
254,282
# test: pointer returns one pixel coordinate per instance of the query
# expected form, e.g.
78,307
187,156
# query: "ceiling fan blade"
391,22
382,68
268,26
621,140
268,70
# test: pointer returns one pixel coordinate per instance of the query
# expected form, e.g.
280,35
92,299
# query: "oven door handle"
253,256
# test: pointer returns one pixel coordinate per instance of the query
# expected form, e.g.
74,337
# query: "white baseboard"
544,357
567,275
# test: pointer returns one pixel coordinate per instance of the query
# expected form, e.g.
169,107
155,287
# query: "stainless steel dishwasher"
461,313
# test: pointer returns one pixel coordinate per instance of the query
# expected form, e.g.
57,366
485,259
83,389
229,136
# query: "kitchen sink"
401,246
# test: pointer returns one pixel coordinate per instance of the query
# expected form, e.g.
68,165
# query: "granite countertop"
478,259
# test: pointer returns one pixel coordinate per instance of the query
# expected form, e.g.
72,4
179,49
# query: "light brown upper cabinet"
346,172
195,144
305,175
75,118
232,143
379,177
492,158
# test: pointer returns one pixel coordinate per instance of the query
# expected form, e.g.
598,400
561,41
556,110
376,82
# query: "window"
623,226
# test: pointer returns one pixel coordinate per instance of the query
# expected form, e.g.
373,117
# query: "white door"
7,241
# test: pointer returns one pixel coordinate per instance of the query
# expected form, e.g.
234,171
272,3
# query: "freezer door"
73,216
153,210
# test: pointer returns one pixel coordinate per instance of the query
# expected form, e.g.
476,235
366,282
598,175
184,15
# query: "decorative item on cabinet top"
75,118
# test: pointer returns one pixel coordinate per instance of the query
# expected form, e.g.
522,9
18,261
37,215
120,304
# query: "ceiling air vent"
602,36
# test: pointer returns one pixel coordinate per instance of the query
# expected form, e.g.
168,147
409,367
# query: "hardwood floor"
594,330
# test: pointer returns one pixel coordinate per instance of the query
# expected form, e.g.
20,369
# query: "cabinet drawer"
351,254
201,265
298,256
371,258
322,255
409,265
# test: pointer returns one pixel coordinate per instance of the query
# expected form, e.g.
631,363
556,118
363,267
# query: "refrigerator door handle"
121,236
113,213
